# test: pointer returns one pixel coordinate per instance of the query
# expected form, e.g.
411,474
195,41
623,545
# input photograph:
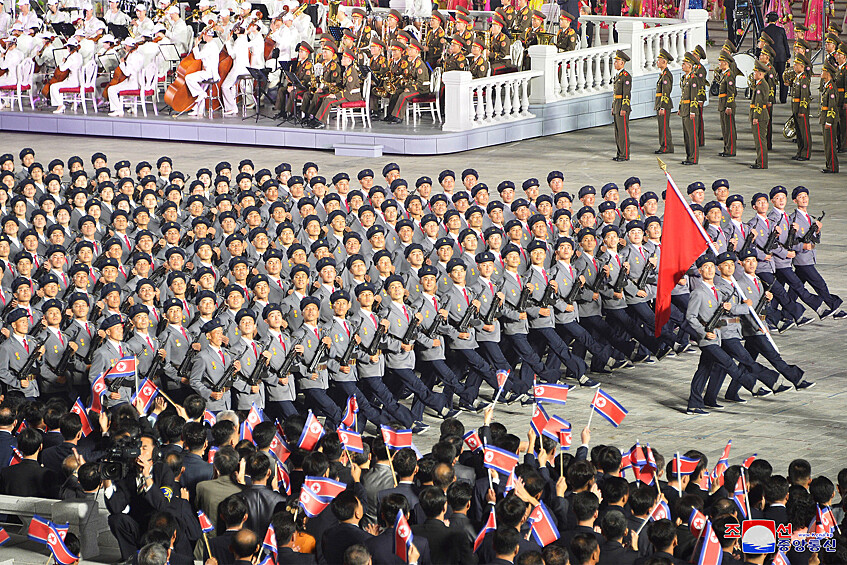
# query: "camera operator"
140,485
84,483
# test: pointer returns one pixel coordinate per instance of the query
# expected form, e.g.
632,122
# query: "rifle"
95,312
373,347
259,371
158,275
549,296
641,283
748,241
66,321
289,360
471,312
575,288
523,299
226,379
763,301
351,346
25,373
220,286
96,341
493,310
98,286
40,271
319,354
185,240
771,243
62,366
68,290
408,337
621,281
598,279
7,309
809,236
790,239
219,310
715,321
156,248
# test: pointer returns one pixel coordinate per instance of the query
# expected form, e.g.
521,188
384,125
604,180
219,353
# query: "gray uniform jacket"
486,290
311,344
13,356
54,348
509,318
566,276
208,369
104,358
701,307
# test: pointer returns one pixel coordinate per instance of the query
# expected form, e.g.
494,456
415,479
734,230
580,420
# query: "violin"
118,76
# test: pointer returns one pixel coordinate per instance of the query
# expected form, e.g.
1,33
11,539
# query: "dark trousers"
341,391
809,274
376,390
641,312
583,342
759,345
322,405
665,132
779,67
602,332
711,355
796,288
406,378
559,353
790,308
679,305
492,353
622,135
530,361
128,533
280,409
701,131
736,350
626,323
439,370
770,127
480,370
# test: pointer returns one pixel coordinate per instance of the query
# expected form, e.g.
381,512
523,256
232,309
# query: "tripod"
754,22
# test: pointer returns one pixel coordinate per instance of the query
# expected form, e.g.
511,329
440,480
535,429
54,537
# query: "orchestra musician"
361,29
351,92
225,23
287,94
10,61
238,46
523,17
435,40
209,54
92,25
5,19
479,62
25,16
417,82
391,26
177,30
330,79
142,23
285,37
53,16
455,59
115,16
72,63
131,65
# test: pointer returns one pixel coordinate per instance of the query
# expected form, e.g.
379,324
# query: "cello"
177,95
118,76
59,75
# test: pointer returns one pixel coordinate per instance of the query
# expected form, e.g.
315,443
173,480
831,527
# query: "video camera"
120,458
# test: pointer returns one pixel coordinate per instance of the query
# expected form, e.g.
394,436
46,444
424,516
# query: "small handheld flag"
396,439
722,465
490,526
539,419
313,431
125,367
56,543
98,389
552,393
472,440
403,537
351,441
350,412
554,425
542,526
710,552
696,522
16,457
209,418
608,407
4,536
269,543
205,524
79,409
279,448
500,460
254,416
660,512
147,392
325,487
311,503
684,465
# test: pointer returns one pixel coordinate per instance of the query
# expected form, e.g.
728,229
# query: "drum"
745,64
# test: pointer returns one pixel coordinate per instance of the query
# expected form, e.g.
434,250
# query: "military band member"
829,117
436,41
566,38
688,110
726,103
351,92
479,62
702,82
767,56
455,59
663,104
417,83
391,27
523,17
330,80
464,29
759,115
500,44
801,98
621,106
841,86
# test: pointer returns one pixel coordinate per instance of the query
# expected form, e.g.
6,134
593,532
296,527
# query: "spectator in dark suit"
283,523
405,466
782,49
663,541
381,546
776,495
729,546
377,478
195,468
262,501
349,511
511,512
71,428
170,428
53,413
506,542
612,550
84,485
459,498
233,513
29,477
585,505
447,546
445,452
680,512
8,421
584,550
357,554
245,545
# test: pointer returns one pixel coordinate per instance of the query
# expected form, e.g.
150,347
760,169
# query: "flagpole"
391,465
168,398
746,497
711,244
696,541
488,471
647,519
679,476
591,414
136,384
206,540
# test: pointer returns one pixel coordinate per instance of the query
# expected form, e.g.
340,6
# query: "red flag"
311,503
402,537
205,524
349,418
696,522
396,439
16,457
539,420
254,416
4,537
747,462
500,460
351,441
490,526
147,391
722,465
56,542
269,543
542,526
78,408
21,427
502,377
313,431
279,448
683,241
608,407
39,529
210,457
661,512
684,465
209,418
554,393
711,552
246,431
323,486
98,389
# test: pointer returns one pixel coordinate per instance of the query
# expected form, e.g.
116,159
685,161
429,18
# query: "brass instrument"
450,29
789,128
300,9
332,14
198,14
426,30
160,12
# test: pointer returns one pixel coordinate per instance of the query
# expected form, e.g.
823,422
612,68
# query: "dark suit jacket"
776,513
780,41
261,504
49,439
668,556
684,542
464,473
613,553
410,491
381,548
220,548
7,442
336,540
29,478
53,457
461,523
288,556
447,546
566,536
486,549
195,471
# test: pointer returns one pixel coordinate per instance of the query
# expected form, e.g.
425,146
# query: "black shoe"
736,399
762,393
396,120
688,163
715,406
659,152
696,412
618,159
756,166
419,428
840,315
317,124
721,154
781,388
451,413
804,321
828,171
663,352
802,385
795,158
785,326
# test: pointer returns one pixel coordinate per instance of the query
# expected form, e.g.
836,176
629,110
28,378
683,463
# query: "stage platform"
400,139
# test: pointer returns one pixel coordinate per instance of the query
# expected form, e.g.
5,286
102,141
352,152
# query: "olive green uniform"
801,97
664,86
622,88
726,101
759,112
688,111
829,124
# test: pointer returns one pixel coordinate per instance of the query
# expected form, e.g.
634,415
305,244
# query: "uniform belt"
618,95
795,99
658,95
824,107
840,90
723,95
686,101
733,320
323,367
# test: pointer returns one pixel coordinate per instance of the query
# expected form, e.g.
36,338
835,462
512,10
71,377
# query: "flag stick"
168,398
694,549
679,477
588,425
488,471
136,385
641,527
496,397
296,511
562,461
391,465
746,497
206,540
49,557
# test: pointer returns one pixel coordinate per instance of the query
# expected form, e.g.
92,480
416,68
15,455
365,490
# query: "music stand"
169,52
108,62
120,32
261,80
336,32
66,30
59,55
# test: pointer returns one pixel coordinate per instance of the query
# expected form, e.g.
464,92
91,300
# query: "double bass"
177,95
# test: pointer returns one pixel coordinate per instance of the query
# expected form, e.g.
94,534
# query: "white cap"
224,13
141,7
87,6
18,26
36,24
49,2
159,29
129,41
73,41
108,38
23,2
244,6
173,10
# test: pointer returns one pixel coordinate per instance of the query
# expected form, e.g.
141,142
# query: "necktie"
768,223
317,335
406,313
435,303
374,320
279,282
65,280
61,339
255,351
546,280
282,343
185,335
121,351
88,329
221,353
641,250
128,245
26,345
716,293
618,257
156,314
571,271
346,329
150,343
755,280
185,305
29,312
808,218
784,215
491,286
741,227
465,293
593,260
121,267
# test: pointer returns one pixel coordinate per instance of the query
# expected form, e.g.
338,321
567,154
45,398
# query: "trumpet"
197,14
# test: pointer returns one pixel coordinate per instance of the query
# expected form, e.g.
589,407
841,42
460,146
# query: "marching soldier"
688,110
702,80
801,97
726,103
210,366
14,353
759,115
621,106
53,381
829,117
566,39
107,356
663,104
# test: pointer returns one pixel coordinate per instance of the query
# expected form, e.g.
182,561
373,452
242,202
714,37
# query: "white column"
631,31
543,88
698,17
458,104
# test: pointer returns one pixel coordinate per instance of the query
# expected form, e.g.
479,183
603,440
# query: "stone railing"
473,103
574,73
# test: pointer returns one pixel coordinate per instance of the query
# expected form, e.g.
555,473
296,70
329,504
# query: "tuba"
789,128
332,14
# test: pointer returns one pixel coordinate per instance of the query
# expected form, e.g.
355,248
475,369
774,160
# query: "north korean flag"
21,427
683,465
279,448
210,457
396,439
403,537
205,524
246,431
565,439
255,416
696,522
56,542
511,482
123,368
78,408
740,495
552,393
269,543
711,552
780,559
311,503
609,408
825,520
500,460
39,529
722,465
349,418
313,431
660,512
325,487
542,526
147,392
351,441
626,461
646,473
16,457
209,418
98,389
554,425
472,440
539,419
282,477
747,462
502,377
490,526
4,536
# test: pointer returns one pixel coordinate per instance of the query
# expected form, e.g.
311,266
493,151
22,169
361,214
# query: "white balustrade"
573,73
472,103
